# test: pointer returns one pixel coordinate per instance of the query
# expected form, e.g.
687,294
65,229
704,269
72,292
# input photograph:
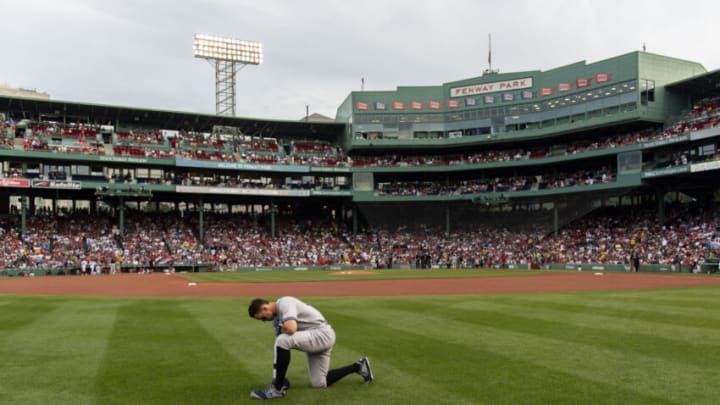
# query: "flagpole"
490,51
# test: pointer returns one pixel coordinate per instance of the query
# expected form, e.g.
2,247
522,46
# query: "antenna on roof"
644,48
362,84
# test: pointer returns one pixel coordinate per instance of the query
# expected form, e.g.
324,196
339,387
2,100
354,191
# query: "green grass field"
624,347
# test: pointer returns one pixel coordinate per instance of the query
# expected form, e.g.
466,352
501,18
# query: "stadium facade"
521,149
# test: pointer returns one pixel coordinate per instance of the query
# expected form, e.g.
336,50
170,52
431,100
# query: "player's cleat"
268,393
285,384
365,370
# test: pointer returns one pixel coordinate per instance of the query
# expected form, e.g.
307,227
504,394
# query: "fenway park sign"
492,87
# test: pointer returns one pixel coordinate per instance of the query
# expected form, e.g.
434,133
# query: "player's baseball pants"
317,343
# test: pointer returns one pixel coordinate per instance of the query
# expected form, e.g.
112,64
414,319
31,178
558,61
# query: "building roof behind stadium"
55,110
700,86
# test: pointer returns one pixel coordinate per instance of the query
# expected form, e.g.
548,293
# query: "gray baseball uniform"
314,336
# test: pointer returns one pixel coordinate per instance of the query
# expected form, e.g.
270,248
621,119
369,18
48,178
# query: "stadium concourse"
74,241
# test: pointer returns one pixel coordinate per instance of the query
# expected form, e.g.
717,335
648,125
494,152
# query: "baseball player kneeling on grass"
301,327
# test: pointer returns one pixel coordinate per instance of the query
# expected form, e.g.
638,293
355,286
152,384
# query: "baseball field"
473,337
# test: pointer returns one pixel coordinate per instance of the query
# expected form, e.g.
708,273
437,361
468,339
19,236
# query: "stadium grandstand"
581,166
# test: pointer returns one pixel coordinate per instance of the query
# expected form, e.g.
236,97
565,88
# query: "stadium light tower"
228,56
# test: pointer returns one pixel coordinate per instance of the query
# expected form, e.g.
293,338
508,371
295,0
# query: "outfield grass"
289,276
622,347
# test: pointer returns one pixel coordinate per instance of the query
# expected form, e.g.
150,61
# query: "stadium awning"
701,86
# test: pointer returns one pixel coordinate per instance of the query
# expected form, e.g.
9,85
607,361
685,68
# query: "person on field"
301,327
634,261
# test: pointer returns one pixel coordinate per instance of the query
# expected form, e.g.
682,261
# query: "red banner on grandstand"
20,183
564,86
398,105
602,77
582,82
527,94
453,103
470,101
362,106
547,91
416,105
508,97
489,99
434,105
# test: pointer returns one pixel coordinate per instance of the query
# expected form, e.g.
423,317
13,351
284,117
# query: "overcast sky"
139,52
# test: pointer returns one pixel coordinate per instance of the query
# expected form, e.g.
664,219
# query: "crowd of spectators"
309,153
688,236
497,184
6,125
144,152
195,140
507,155
141,136
705,114
7,143
208,155
49,129
202,146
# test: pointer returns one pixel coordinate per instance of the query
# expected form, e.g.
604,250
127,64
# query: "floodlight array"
227,49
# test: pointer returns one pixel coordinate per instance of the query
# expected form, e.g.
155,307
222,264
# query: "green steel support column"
122,217
272,219
23,214
355,221
202,221
447,220
660,196
555,218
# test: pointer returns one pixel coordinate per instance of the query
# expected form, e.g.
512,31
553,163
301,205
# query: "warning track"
161,285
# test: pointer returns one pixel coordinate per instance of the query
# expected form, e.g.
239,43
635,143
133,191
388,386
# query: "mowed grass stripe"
159,354
18,312
693,293
685,335
246,341
631,341
55,356
451,357
662,312
646,375
673,301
